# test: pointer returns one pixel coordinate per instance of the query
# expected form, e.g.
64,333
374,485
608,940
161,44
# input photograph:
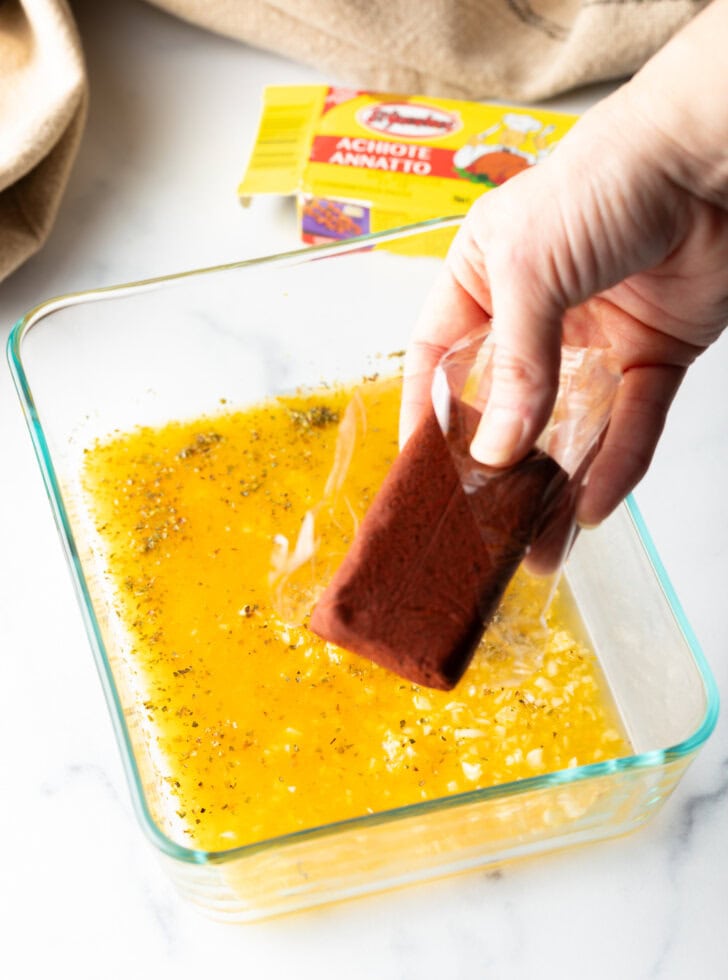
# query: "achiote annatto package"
361,162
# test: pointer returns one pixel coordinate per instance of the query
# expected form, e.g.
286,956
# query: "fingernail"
587,525
498,437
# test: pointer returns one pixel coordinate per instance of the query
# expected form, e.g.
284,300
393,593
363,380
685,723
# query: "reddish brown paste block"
429,565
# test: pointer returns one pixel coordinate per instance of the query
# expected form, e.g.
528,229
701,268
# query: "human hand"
619,238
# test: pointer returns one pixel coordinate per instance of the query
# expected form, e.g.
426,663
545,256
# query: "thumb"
526,347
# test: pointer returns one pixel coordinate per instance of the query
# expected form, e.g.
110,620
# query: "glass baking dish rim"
564,777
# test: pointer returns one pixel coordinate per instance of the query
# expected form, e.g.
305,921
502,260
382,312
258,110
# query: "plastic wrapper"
444,536
588,382
302,569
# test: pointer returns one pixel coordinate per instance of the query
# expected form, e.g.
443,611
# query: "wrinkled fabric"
43,96
522,50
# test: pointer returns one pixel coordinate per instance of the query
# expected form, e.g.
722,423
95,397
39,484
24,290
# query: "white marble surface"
81,894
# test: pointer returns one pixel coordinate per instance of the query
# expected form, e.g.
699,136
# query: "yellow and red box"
366,161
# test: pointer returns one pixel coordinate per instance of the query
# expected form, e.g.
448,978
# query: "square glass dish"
95,363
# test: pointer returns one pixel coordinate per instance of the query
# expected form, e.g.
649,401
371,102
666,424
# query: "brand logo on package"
412,120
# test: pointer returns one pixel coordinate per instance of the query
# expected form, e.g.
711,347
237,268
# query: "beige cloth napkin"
520,50
42,111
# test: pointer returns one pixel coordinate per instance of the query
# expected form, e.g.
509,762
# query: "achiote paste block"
429,564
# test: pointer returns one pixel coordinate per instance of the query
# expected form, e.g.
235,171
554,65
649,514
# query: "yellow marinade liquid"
261,727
